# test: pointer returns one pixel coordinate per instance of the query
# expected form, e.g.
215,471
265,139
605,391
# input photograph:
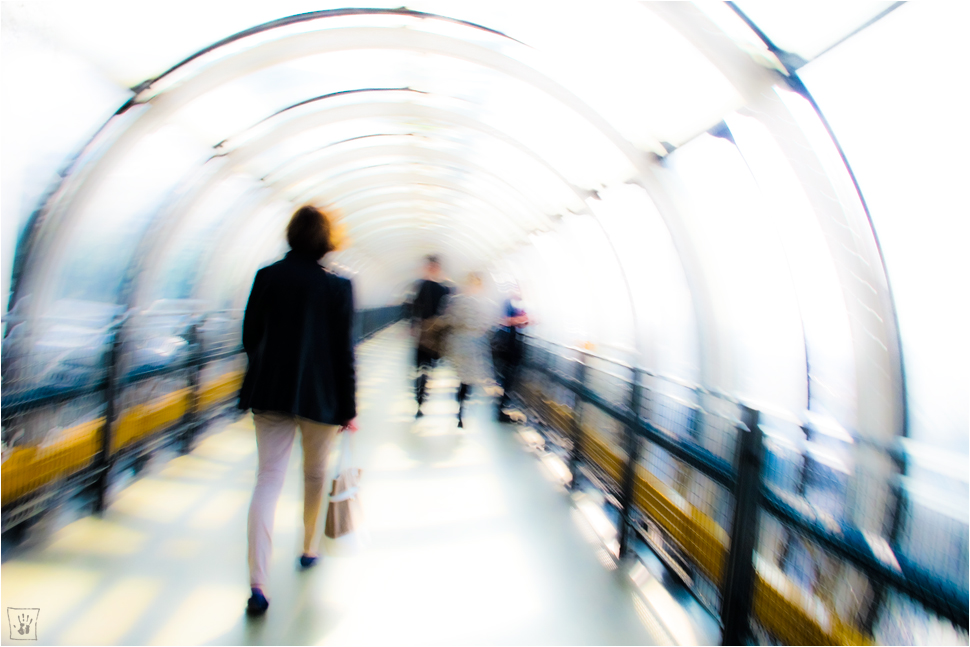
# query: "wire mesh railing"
785,527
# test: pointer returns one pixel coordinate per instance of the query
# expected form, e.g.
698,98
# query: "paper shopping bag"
344,528
344,509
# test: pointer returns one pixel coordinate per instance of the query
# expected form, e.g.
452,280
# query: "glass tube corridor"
739,233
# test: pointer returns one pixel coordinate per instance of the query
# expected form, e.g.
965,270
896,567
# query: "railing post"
112,383
738,586
879,590
192,414
633,456
575,452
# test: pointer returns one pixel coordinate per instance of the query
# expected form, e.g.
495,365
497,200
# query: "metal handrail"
851,545
894,448
106,384
41,396
844,541
679,381
697,457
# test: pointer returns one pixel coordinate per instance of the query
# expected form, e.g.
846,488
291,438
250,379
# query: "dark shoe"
306,561
460,424
257,604
419,413
503,417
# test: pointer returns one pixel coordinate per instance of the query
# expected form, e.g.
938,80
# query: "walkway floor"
473,542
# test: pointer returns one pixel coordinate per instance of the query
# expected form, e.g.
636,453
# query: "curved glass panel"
910,180
109,227
821,303
515,111
666,323
750,277
42,128
601,290
647,103
175,273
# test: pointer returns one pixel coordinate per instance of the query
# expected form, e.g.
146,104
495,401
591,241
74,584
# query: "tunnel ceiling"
460,129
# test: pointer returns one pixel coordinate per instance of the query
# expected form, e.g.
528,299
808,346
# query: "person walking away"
509,348
469,318
297,332
428,304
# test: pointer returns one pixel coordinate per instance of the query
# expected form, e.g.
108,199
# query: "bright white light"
900,125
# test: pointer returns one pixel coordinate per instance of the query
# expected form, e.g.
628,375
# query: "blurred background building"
723,217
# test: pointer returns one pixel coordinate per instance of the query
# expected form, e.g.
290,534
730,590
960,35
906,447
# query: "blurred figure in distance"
429,302
508,347
468,318
297,332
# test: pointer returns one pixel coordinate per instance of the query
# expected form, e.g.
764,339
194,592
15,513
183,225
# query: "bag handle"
345,460
346,495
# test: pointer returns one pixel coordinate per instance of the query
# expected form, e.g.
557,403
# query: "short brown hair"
309,232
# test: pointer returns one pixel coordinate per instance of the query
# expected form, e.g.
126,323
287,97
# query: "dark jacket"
298,334
429,300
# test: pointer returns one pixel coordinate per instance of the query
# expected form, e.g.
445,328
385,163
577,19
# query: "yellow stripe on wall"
219,389
28,467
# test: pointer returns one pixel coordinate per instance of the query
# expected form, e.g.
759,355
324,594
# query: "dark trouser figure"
507,376
463,391
425,361
510,373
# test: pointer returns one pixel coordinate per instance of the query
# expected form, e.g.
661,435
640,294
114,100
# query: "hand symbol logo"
22,623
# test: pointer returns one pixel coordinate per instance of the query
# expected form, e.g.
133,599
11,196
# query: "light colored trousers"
274,442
